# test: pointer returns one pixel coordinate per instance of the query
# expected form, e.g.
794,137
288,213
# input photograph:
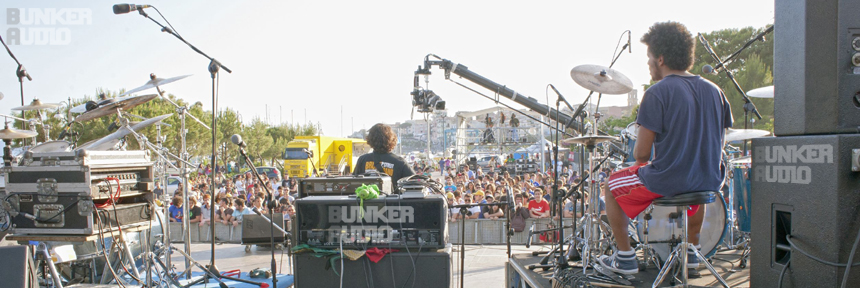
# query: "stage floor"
726,263
484,265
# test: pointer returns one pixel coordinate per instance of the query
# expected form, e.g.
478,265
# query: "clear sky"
315,57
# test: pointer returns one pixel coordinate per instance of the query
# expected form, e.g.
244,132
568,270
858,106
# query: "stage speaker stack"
805,182
17,269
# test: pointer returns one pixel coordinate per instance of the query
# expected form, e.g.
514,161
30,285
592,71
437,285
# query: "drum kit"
656,232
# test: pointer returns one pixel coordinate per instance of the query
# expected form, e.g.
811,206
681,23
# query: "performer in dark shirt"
382,139
683,118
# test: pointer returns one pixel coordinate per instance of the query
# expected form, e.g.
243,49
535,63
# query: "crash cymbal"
126,103
157,82
111,139
13,117
588,140
763,92
79,109
744,134
37,105
601,79
12,133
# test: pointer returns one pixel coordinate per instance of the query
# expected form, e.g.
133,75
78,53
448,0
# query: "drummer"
685,118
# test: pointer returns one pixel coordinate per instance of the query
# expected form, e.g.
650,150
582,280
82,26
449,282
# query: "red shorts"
631,194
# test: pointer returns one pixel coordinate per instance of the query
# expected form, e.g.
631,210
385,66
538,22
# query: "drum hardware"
7,134
649,255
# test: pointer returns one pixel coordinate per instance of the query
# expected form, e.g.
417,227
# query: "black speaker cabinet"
804,186
16,269
257,230
816,67
431,269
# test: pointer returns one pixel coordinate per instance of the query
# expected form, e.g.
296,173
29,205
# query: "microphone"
125,8
237,139
708,69
629,45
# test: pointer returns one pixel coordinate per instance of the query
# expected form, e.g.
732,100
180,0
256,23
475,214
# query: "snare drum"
740,189
662,228
52,146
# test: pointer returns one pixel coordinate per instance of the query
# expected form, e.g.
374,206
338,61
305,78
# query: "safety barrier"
478,231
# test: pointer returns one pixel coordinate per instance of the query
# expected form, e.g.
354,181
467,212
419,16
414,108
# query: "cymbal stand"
182,111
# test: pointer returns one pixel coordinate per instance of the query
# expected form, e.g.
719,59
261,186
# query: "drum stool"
682,202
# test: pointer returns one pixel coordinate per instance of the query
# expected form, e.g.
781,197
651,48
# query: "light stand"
213,68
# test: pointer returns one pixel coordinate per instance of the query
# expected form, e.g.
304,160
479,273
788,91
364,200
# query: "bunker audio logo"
44,26
354,229
784,164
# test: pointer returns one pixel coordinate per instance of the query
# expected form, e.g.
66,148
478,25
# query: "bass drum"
662,228
52,146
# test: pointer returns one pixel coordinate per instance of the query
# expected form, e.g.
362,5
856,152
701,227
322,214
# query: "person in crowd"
205,209
453,213
474,211
494,211
539,207
239,212
382,139
194,212
175,209
225,211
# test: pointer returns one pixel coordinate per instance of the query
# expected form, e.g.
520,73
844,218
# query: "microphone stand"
271,206
21,73
464,208
213,68
749,106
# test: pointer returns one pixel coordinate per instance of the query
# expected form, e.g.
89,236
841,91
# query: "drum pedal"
611,275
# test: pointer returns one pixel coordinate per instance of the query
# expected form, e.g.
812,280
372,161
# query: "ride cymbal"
744,134
588,140
763,92
125,103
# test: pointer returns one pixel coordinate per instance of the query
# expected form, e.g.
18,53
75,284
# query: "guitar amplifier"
341,185
388,221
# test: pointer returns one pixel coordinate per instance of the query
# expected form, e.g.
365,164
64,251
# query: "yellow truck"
329,155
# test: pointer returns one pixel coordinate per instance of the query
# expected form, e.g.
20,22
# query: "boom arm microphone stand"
21,73
213,68
748,104
236,139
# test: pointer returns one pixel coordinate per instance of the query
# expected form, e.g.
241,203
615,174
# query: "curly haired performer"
684,117
382,139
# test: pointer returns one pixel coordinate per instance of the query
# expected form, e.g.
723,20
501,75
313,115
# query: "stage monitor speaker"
256,230
804,186
816,67
430,269
17,269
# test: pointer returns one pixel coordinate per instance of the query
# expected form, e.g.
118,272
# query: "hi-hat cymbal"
588,140
157,82
763,92
601,79
126,103
111,139
12,133
37,105
744,134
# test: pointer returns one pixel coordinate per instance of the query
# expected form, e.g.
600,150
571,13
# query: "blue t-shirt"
176,213
689,115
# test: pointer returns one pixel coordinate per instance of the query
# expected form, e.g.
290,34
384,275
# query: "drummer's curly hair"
381,138
674,42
